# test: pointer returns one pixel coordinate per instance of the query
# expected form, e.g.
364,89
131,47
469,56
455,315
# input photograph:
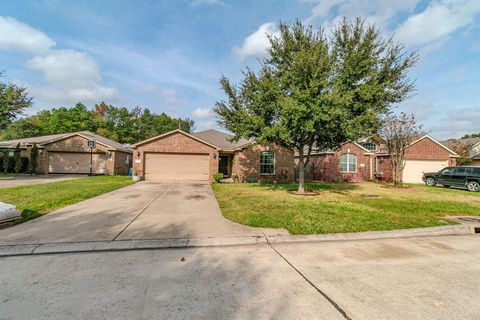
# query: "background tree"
463,149
317,91
471,135
33,163
13,100
17,158
399,131
116,123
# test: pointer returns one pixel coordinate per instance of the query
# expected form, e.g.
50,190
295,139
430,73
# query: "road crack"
330,300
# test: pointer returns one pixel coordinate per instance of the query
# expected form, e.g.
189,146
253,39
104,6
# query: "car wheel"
473,186
430,182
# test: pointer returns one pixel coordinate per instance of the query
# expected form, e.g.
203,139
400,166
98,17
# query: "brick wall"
174,143
426,149
74,144
79,144
326,167
119,159
246,163
384,165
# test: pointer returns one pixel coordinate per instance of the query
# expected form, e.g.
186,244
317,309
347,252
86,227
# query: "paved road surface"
417,278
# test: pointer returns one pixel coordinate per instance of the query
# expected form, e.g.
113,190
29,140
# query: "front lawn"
36,200
342,207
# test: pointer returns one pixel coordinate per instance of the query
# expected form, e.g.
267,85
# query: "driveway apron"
146,210
185,210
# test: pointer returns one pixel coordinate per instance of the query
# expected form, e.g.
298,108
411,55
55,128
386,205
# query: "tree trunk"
301,171
397,171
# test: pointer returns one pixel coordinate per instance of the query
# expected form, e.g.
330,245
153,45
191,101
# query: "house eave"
135,145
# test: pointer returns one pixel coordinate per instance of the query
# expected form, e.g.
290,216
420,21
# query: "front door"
223,165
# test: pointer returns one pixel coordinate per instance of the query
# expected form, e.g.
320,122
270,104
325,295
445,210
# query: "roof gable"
451,152
170,133
45,140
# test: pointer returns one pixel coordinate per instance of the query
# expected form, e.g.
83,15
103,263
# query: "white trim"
361,147
172,132
453,153
348,162
371,143
260,163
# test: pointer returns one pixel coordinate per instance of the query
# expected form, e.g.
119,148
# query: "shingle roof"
42,140
220,139
450,142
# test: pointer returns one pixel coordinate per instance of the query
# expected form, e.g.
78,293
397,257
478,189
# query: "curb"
124,245
376,235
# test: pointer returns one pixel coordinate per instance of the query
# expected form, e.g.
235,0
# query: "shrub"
33,164
8,163
23,165
217,177
235,177
17,159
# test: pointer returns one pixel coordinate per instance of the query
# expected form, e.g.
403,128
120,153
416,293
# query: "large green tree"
317,91
116,123
13,100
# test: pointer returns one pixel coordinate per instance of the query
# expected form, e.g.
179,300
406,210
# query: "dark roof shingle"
220,139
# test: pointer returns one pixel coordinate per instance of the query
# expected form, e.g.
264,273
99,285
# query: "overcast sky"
169,55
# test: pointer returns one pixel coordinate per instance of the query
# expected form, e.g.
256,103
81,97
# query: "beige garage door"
165,166
414,169
71,162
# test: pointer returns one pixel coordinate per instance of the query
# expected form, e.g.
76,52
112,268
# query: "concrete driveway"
145,210
25,180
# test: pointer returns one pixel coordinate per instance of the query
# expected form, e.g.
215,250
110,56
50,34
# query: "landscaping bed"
35,200
342,207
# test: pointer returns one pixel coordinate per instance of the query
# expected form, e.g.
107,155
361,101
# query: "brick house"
366,159
177,155
69,153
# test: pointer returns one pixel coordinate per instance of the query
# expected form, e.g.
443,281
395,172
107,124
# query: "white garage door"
72,162
166,166
414,169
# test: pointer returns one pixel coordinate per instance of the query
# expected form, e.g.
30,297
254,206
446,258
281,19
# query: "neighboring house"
69,153
474,150
177,155
366,159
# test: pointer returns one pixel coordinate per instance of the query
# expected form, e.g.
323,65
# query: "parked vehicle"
465,177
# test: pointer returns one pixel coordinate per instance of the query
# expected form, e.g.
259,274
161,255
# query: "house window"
267,162
348,162
370,146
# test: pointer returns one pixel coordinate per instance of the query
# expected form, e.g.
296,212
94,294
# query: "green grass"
342,207
36,200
